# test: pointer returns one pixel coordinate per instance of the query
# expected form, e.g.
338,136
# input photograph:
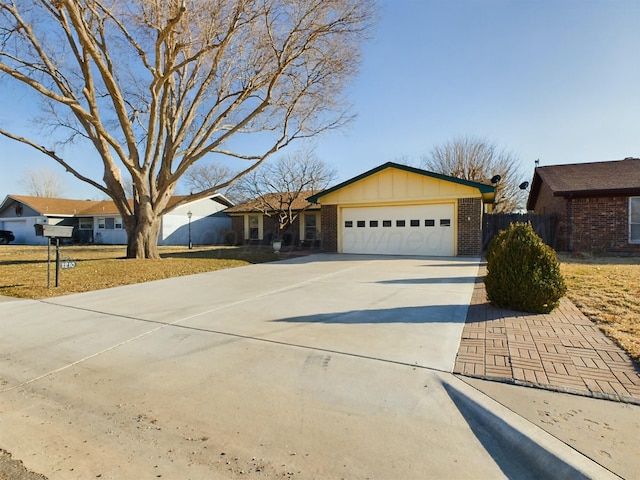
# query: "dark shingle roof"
617,177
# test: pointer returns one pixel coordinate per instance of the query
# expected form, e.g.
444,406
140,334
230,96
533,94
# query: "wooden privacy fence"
545,226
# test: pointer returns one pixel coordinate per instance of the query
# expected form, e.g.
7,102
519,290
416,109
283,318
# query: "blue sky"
555,80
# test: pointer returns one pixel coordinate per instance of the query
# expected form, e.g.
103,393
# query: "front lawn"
23,269
607,290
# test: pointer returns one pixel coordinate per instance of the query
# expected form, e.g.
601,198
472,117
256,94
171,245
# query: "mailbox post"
55,232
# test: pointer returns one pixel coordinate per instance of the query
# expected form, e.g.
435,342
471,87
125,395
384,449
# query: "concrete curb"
538,452
553,388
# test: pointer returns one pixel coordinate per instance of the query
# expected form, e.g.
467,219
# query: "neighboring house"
254,222
399,210
597,204
99,222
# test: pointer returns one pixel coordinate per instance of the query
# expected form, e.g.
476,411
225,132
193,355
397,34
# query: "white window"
310,226
254,227
85,223
634,220
110,223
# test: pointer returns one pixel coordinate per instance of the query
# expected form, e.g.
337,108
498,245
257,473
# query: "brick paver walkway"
562,351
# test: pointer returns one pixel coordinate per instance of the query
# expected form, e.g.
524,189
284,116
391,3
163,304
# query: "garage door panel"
398,243
407,230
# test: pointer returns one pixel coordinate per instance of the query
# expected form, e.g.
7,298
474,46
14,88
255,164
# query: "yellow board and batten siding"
398,186
394,187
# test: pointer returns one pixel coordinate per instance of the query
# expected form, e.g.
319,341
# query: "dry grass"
607,290
23,269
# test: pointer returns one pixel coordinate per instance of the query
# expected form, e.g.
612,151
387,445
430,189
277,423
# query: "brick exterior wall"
601,225
597,224
547,204
237,230
469,226
329,222
270,229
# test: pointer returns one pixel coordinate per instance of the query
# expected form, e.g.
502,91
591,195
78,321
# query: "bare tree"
156,86
42,182
279,189
480,160
202,177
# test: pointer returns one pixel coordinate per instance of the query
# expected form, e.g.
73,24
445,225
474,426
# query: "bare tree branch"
155,87
479,160
56,158
42,182
276,188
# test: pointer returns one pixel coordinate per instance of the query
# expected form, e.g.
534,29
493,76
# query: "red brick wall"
237,227
600,224
469,226
548,204
593,224
329,222
269,228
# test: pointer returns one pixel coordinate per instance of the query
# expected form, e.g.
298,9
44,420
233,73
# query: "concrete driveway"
328,366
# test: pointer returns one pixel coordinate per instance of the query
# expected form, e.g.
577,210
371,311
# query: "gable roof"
483,187
300,202
616,177
71,207
65,206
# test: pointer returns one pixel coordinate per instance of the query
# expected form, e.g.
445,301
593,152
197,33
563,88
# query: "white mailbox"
53,231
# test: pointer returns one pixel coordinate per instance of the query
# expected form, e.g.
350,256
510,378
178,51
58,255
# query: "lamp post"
189,215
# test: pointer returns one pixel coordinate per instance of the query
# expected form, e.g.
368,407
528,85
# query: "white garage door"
407,230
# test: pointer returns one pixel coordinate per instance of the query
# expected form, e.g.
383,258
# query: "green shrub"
523,272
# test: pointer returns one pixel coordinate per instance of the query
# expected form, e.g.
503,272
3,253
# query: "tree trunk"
142,239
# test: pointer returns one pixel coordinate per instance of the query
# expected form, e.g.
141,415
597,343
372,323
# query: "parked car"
6,236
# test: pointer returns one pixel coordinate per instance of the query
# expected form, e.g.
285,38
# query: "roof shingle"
592,177
616,177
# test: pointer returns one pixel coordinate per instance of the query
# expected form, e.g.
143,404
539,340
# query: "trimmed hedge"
523,272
